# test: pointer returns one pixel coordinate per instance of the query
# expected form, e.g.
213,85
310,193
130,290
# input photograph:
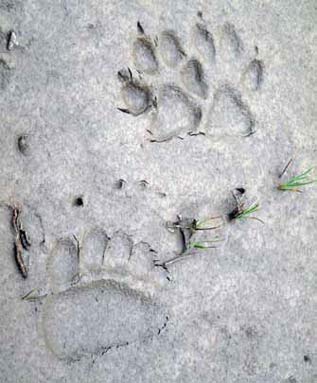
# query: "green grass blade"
197,245
204,244
305,173
208,224
247,212
298,181
304,183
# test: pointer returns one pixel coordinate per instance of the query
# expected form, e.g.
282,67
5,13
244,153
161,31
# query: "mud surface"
118,116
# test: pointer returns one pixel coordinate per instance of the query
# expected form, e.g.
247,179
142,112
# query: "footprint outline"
68,330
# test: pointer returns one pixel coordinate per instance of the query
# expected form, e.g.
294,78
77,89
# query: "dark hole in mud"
78,201
307,359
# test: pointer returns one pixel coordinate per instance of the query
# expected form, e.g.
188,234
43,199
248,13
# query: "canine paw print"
101,295
191,94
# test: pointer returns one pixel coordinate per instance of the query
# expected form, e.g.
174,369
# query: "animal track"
171,51
194,94
101,295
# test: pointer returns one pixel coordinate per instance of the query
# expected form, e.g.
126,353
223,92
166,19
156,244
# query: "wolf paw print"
191,94
100,295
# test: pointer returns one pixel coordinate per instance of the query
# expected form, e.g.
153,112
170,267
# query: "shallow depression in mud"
237,121
177,113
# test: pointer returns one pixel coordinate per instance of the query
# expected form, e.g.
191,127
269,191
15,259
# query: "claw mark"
124,110
164,325
130,73
140,28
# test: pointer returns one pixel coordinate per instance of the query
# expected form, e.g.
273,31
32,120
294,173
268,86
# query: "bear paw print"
101,295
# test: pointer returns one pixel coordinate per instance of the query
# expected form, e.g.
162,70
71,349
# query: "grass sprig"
245,213
241,213
204,245
33,295
208,224
295,183
201,245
